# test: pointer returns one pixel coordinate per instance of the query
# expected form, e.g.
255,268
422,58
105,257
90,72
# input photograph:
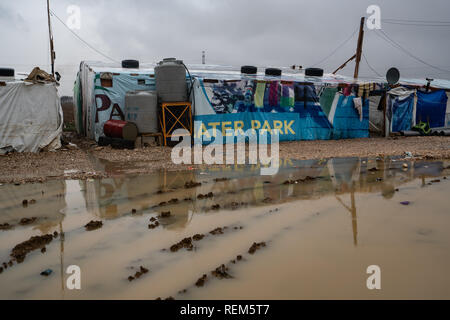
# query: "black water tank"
314,72
273,72
130,64
6,72
249,69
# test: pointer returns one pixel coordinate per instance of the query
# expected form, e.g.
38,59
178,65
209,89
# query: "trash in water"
46,272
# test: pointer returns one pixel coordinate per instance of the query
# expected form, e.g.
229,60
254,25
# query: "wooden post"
359,47
52,51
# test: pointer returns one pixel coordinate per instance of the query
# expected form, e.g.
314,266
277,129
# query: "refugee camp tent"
223,98
99,93
31,116
300,107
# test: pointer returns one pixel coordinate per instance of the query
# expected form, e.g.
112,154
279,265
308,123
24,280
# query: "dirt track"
90,161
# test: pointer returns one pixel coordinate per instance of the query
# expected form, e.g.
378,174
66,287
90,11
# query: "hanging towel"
347,90
273,93
357,103
326,99
287,95
259,94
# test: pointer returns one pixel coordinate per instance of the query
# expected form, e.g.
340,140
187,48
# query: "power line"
418,24
388,39
79,38
417,21
335,50
370,67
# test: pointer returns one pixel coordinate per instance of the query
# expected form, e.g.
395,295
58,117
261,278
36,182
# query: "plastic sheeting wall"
100,103
300,111
431,107
31,117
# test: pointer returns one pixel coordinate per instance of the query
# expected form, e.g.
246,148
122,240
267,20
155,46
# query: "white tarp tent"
31,116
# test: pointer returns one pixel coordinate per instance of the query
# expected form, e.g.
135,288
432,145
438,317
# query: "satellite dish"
392,76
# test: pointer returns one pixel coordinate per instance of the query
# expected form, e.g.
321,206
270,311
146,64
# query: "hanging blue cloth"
402,111
431,108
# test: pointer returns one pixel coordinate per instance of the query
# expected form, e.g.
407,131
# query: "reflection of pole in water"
61,240
354,219
352,211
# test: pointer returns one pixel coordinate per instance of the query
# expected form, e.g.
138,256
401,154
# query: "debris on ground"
25,221
221,272
192,184
217,231
36,242
93,225
201,281
198,237
256,246
185,243
5,226
138,274
165,214
205,196
46,273
405,203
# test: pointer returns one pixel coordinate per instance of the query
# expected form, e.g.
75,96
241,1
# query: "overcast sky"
232,32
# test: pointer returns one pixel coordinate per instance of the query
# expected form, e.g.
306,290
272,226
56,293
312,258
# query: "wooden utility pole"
359,47
52,50
358,53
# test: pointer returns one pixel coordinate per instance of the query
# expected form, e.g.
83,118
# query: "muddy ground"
87,160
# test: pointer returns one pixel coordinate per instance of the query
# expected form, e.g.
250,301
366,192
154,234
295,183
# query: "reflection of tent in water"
114,197
164,191
47,208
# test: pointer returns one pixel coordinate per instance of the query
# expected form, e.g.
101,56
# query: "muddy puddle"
308,232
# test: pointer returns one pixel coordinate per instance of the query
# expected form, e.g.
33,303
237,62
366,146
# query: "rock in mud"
165,214
256,246
215,207
435,181
221,179
198,237
5,226
143,269
221,272
152,219
93,225
239,258
55,234
185,243
25,221
22,249
373,169
43,250
204,196
216,231
192,184
133,211
172,201
201,281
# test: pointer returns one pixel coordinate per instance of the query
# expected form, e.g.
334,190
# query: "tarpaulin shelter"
300,107
99,93
31,116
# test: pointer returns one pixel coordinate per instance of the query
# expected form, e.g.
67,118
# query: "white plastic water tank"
141,107
170,77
